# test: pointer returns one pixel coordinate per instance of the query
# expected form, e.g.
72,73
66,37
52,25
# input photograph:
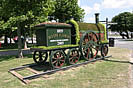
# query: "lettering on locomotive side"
59,40
58,36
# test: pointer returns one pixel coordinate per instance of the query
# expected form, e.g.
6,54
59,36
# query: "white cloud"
117,3
91,19
96,7
79,2
87,9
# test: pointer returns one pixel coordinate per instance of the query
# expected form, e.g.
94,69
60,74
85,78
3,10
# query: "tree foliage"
18,16
26,12
124,23
23,14
66,9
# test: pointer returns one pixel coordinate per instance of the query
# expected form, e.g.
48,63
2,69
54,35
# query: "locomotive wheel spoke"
57,65
88,51
55,58
54,62
94,52
61,60
37,57
93,47
73,59
40,59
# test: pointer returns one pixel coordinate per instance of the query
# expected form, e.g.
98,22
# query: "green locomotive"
66,43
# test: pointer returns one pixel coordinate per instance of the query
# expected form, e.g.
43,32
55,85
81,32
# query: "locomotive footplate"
43,50
27,79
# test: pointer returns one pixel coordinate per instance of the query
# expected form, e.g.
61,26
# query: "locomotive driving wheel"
73,56
40,57
57,59
88,45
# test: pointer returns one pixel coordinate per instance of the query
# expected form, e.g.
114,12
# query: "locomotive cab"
53,34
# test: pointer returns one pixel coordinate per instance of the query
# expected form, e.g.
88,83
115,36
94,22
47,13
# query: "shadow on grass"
7,58
12,46
28,56
47,66
43,67
9,46
119,61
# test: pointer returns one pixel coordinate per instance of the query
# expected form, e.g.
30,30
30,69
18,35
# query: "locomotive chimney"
97,18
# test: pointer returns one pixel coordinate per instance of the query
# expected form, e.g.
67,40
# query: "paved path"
124,44
14,52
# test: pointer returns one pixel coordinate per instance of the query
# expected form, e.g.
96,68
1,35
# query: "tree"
66,9
24,14
131,23
2,26
124,24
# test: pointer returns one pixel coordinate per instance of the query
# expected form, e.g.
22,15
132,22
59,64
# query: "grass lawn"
101,74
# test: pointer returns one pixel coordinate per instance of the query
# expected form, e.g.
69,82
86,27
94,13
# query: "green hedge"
76,27
105,35
93,27
90,26
53,47
52,25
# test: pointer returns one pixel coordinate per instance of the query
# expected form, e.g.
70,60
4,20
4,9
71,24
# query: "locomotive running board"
37,74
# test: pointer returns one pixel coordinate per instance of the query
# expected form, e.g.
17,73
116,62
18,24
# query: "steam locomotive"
67,43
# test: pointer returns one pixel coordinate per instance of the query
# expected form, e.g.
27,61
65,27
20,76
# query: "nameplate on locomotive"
59,30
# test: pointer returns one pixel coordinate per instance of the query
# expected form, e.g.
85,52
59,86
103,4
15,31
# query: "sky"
106,8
